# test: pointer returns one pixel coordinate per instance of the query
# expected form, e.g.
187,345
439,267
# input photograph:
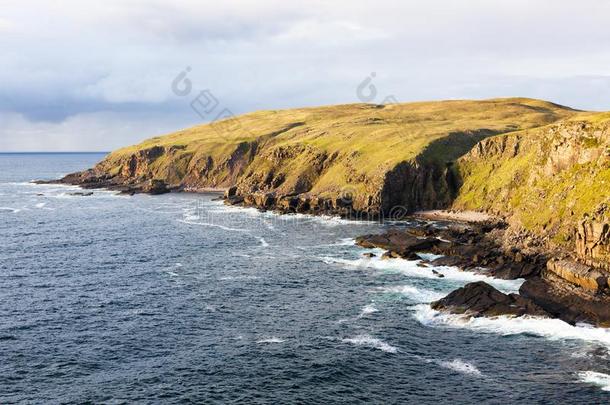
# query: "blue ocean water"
177,298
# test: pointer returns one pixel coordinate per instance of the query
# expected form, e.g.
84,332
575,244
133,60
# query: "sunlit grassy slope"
322,150
545,179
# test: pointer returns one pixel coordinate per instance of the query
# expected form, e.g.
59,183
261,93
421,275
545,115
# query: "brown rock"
593,241
579,274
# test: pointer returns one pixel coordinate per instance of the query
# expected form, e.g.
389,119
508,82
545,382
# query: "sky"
98,75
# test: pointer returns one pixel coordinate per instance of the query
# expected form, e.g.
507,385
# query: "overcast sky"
97,75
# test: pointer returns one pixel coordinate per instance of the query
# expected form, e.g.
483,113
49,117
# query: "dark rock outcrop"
566,301
481,299
469,247
402,244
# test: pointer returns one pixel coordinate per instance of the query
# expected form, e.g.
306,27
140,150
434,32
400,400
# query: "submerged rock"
481,299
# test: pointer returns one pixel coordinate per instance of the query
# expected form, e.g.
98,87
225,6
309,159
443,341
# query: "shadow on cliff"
432,180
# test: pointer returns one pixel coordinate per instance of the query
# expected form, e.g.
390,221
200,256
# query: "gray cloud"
103,69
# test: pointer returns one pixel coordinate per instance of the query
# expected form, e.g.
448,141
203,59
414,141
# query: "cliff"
549,182
541,169
348,159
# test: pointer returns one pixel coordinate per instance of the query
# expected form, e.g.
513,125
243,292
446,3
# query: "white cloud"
80,58
6,25
100,131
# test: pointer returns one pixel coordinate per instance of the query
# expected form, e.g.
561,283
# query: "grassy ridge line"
323,150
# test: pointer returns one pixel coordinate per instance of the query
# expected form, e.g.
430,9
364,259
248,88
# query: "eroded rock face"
579,274
480,299
593,241
567,301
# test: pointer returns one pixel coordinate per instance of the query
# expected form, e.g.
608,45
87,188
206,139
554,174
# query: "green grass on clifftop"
366,140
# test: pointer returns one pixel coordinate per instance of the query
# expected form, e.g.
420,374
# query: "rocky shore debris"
469,247
559,287
91,179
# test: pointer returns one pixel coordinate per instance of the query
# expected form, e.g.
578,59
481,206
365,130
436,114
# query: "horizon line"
48,152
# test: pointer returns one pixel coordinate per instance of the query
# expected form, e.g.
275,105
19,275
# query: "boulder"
404,244
480,299
155,187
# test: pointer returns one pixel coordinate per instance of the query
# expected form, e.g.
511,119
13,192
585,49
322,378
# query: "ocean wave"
368,309
328,220
552,329
272,339
9,209
370,341
460,366
411,269
226,228
429,256
418,295
600,380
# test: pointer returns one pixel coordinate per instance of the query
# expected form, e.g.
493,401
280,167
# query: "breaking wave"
553,329
600,380
370,341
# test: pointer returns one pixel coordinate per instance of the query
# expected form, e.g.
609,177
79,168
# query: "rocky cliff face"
363,160
593,239
548,182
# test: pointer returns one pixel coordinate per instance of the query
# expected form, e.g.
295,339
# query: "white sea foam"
345,242
429,256
368,309
418,295
460,366
231,278
600,380
553,329
9,209
370,341
207,224
411,269
271,339
40,205
302,218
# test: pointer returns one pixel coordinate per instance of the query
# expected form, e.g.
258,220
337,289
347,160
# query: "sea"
177,298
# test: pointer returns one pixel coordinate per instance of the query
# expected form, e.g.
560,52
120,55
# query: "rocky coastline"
572,286
557,284
525,182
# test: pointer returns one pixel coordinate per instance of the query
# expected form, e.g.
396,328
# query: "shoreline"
472,241
456,216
